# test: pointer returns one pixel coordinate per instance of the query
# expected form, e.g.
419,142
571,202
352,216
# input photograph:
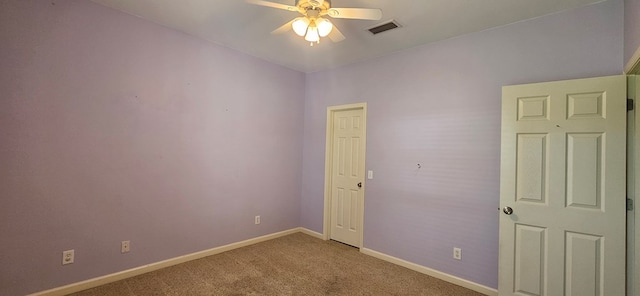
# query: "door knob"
507,210
360,185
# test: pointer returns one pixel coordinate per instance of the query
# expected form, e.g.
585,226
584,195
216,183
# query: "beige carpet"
295,264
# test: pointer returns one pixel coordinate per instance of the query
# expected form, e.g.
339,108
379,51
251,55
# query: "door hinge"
629,204
629,104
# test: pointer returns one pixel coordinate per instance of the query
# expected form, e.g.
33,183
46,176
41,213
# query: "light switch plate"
370,174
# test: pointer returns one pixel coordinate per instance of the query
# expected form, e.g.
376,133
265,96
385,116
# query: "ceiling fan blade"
356,13
273,5
336,35
284,28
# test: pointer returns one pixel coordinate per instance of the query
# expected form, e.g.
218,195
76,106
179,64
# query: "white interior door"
347,175
562,180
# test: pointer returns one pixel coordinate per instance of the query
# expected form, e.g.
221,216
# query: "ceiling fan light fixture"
324,27
312,25
300,26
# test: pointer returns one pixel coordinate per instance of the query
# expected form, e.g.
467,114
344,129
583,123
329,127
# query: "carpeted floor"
295,264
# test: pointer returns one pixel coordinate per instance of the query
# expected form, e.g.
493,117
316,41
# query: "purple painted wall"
113,128
439,105
631,28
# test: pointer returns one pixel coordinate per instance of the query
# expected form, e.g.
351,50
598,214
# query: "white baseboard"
110,278
432,272
311,233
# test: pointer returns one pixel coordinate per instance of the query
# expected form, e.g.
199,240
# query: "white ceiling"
246,27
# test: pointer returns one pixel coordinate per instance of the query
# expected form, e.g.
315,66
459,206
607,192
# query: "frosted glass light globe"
324,27
300,26
312,34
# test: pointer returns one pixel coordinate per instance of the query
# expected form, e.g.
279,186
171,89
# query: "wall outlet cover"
457,253
68,257
125,247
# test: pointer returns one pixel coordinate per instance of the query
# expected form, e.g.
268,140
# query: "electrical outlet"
68,257
125,247
457,253
257,220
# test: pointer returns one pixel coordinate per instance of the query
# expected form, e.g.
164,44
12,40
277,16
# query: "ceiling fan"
312,24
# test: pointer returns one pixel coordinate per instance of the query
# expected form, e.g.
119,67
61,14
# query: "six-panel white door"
347,179
563,177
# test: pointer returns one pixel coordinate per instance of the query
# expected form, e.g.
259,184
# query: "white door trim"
633,171
331,110
633,65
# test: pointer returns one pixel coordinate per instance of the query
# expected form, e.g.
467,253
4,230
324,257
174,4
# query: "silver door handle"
507,210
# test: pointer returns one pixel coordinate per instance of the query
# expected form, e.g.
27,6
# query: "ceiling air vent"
390,25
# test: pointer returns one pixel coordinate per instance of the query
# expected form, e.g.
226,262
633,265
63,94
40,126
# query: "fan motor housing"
313,4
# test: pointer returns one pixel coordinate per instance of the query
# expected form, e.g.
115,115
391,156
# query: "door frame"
632,69
331,111
633,182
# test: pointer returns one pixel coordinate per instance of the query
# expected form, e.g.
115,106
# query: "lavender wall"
439,105
113,128
631,28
